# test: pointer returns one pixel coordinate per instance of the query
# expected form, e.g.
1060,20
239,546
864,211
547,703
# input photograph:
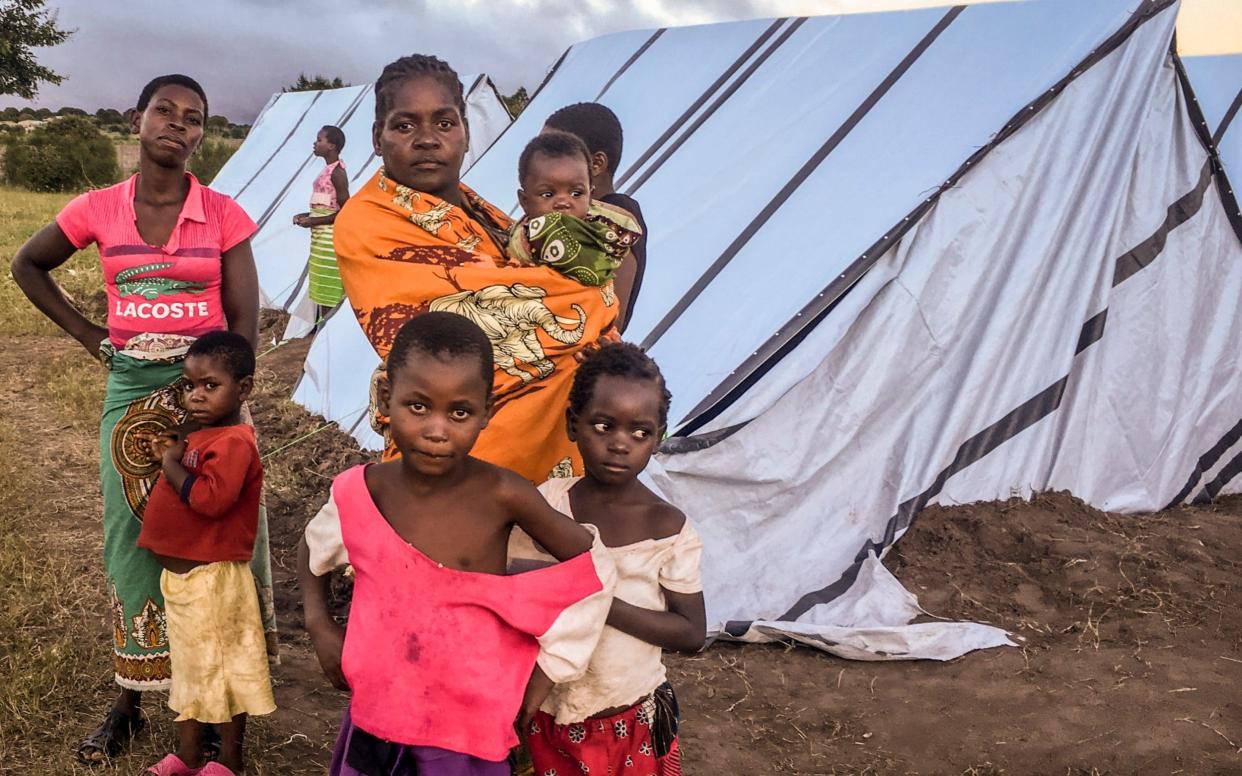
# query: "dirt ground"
1130,657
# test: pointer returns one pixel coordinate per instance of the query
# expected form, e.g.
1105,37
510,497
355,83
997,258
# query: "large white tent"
898,259
271,174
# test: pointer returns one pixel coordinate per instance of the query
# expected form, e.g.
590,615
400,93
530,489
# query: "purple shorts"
358,753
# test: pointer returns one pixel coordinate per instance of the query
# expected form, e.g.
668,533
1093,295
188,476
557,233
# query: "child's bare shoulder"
504,485
663,519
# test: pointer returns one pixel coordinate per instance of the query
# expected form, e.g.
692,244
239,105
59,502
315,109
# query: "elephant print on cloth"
511,317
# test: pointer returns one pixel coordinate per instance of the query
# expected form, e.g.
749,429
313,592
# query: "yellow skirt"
215,635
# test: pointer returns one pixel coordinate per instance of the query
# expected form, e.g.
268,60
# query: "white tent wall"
755,91
336,378
487,117
985,257
735,143
1064,317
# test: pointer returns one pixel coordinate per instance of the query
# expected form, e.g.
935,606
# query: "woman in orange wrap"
414,239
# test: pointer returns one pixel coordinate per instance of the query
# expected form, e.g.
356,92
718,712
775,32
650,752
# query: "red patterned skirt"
640,741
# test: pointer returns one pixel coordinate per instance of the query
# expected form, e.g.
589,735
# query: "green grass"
22,213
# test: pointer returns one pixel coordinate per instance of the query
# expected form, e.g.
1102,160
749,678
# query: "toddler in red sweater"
200,523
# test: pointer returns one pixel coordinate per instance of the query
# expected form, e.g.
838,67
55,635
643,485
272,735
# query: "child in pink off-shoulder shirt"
441,643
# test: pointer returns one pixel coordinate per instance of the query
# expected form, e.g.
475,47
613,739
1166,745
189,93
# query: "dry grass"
52,643
54,648
22,213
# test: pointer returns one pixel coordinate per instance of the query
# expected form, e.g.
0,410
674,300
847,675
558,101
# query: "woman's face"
423,138
171,127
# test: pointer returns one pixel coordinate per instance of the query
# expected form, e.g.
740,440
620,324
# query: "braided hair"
619,359
406,68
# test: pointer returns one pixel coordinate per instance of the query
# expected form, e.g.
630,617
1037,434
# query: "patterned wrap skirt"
639,741
144,393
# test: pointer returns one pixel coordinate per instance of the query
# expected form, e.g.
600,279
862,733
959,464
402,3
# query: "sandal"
172,765
215,769
110,738
211,742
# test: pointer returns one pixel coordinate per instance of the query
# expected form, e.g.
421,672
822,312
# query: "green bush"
211,156
68,154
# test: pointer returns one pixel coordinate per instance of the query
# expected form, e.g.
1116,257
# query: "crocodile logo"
151,288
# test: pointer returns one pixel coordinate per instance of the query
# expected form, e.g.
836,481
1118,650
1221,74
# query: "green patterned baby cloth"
588,250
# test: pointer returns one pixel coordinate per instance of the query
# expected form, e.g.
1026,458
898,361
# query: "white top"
623,669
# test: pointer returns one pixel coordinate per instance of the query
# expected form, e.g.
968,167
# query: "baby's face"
556,184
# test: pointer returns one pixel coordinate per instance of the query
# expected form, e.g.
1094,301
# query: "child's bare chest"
618,524
456,538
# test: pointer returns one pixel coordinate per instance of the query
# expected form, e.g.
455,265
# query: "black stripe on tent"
357,423
977,447
1213,488
1091,331
363,168
630,62
799,178
349,112
702,118
1178,213
1207,461
971,451
681,120
1228,200
1230,114
555,66
805,320
288,137
297,287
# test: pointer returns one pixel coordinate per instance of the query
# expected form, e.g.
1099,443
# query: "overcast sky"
243,50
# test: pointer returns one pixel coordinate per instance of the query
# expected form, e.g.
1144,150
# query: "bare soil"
1130,657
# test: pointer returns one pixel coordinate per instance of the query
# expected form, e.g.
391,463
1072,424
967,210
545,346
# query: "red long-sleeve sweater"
216,515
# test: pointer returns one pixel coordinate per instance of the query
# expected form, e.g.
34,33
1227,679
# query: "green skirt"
324,277
146,396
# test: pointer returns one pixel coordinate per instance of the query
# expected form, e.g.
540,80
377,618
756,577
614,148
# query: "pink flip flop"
214,768
172,765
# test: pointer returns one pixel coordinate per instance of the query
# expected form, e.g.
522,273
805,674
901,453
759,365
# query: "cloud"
244,50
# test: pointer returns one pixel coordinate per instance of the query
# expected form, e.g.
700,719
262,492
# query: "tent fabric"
990,255
1034,331
271,174
1217,85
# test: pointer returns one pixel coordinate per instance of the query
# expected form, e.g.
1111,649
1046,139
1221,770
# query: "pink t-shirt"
440,657
168,289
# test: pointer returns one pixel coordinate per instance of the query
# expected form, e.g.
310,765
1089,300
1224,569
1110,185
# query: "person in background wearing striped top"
328,193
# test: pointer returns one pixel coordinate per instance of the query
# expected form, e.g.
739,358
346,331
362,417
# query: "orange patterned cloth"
402,252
